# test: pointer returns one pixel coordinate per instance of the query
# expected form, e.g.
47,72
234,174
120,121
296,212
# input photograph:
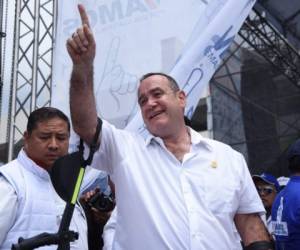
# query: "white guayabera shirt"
167,204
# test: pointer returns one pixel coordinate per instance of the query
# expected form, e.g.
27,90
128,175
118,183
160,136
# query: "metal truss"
270,44
229,115
260,37
32,64
2,35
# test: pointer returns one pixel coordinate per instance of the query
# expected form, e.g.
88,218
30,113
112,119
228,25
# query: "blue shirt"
286,216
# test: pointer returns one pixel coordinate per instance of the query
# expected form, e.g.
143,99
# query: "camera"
102,202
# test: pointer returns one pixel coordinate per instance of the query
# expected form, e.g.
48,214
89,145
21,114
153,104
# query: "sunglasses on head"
265,190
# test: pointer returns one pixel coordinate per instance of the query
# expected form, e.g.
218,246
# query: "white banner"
134,37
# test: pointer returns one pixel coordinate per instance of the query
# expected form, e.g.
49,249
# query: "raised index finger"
83,15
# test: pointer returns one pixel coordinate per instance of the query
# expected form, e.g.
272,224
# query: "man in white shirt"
29,204
174,188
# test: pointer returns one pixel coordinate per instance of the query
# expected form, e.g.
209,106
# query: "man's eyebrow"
150,91
49,133
154,89
44,133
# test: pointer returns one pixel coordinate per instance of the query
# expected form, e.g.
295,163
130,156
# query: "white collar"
31,166
196,139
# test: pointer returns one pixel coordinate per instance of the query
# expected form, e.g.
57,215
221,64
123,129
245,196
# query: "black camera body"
102,202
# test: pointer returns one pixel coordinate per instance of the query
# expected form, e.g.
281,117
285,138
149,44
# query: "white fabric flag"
202,54
134,37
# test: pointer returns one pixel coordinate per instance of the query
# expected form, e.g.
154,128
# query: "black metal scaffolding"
256,96
270,44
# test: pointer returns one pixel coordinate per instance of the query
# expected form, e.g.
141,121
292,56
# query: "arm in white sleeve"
109,230
8,207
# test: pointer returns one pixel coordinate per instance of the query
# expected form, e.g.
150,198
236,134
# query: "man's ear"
182,97
26,136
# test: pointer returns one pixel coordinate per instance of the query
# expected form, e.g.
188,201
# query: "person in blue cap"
267,187
286,207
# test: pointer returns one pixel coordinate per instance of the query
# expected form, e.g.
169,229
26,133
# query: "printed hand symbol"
116,93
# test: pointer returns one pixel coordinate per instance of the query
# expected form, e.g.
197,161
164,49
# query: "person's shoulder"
217,145
221,148
291,191
9,166
130,136
11,174
110,126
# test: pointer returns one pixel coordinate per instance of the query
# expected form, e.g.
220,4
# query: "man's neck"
38,163
179,144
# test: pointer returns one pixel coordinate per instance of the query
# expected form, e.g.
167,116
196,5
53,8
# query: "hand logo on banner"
117,88
208,31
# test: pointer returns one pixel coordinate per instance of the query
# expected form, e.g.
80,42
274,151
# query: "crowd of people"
286,206
173,188
282,202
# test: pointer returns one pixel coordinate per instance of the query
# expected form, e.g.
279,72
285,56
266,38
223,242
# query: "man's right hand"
81,46
98,216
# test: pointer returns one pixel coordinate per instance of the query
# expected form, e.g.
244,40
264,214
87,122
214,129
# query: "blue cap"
268,178
294,150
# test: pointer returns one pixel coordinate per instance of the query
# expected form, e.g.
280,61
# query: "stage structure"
259,49
33,39
270,44
2,37
255,96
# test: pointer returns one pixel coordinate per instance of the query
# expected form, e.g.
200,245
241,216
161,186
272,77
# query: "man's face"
47,142
161,107
267,193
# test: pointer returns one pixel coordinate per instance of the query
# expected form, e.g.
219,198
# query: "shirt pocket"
221,195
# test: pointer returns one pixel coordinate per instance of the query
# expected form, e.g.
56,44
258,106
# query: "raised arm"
82,49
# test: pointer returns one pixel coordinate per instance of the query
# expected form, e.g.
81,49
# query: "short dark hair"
173,84
294,164
45,114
